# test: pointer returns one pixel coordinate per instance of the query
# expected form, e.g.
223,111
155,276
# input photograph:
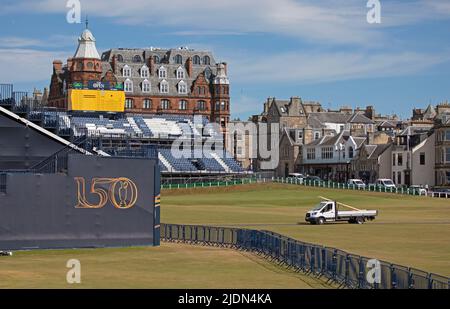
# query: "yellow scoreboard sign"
96,100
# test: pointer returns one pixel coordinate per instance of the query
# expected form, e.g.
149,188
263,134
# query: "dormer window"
182,87
162,72
146,86
178,59
196,60
126,71
128,85
164,87
180,73
137,59
144,72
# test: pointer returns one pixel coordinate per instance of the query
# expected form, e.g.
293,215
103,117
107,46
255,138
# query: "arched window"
144,71
182,87
146,86
128,85
162,72
156,59
137,58
126,71
182,105
206,60
180,73
164,87
350,152
201,105
178,59
196,59
165,104
147,104
119,58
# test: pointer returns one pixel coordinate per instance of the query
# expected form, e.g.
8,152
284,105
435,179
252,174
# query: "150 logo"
122,192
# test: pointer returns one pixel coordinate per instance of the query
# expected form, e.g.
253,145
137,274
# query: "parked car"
313,179
419,189
358,183
296,177
385,183
441,192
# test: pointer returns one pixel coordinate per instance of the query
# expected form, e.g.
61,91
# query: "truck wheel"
320,221
360,220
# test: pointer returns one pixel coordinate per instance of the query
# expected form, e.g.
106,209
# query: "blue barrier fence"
346,269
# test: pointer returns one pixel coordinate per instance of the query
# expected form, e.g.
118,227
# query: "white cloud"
316,67
51,41
27,65
325,21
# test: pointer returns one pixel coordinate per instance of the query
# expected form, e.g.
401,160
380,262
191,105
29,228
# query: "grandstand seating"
179,164
156,128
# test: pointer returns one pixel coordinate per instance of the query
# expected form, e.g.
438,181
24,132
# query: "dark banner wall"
99,202
21,147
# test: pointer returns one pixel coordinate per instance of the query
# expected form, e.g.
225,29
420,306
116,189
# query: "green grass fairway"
412,231
168,266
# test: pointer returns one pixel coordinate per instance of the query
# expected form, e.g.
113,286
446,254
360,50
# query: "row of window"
164,104
163,86
205,60
144,72
327,153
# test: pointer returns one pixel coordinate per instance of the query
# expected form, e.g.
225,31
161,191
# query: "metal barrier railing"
347,270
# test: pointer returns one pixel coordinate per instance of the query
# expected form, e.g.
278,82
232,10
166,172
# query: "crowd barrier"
347,270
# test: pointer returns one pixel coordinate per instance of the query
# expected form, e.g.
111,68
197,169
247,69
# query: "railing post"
347,264
393,277
410,279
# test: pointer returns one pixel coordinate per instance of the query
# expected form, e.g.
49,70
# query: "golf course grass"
409,230
168,266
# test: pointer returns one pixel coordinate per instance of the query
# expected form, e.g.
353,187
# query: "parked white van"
358,183
386,183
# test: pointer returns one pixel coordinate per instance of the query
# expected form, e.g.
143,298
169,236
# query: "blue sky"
320,50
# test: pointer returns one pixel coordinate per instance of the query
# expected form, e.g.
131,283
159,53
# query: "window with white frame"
316,135
180,73
128,103
182,87
447,134
126,71
162,72
144,72
327,152
311,153
146,86
206,60
164,87
165,104
128,86
182,105
350,152
147,104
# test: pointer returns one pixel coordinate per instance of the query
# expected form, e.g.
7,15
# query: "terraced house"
442,150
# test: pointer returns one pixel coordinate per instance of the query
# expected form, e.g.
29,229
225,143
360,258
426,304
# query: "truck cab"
324,211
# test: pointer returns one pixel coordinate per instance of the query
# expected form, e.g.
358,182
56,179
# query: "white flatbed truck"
328,211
